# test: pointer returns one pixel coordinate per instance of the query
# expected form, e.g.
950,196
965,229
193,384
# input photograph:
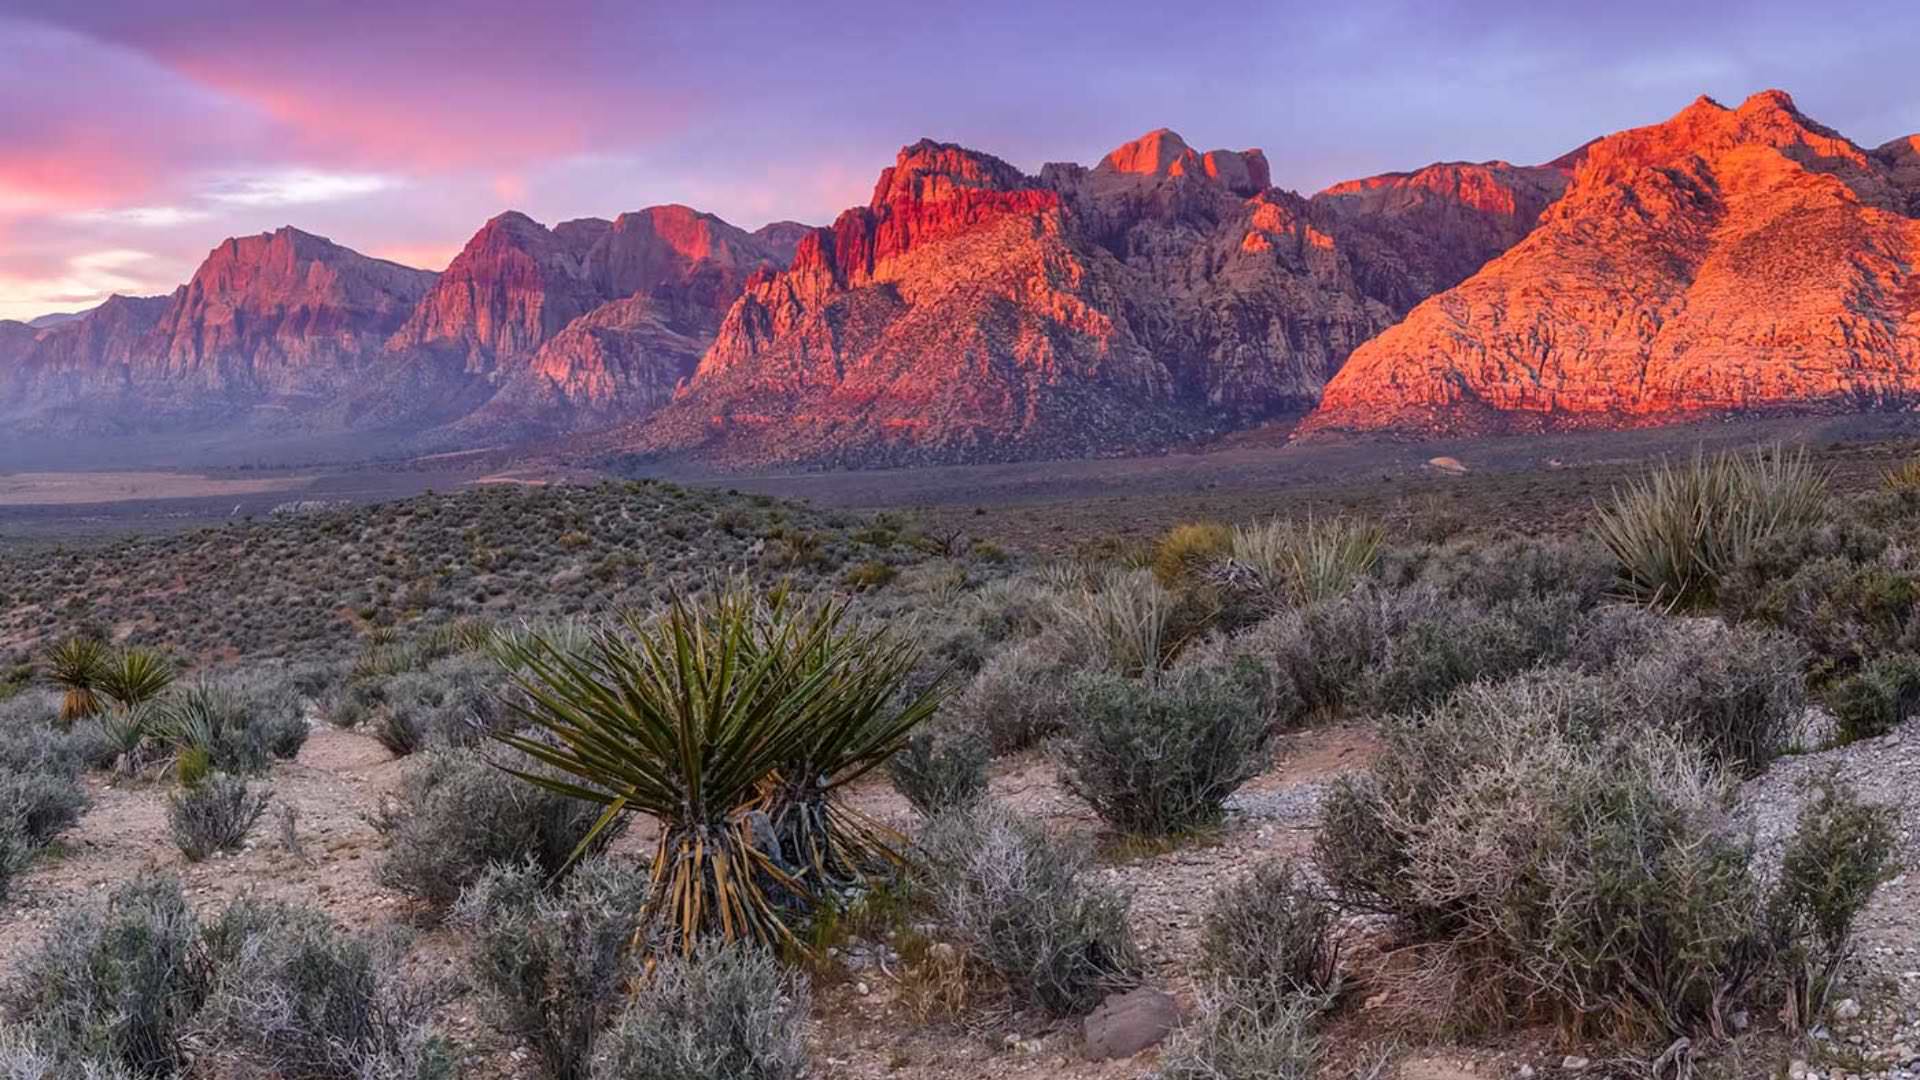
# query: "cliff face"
1727,260
972,312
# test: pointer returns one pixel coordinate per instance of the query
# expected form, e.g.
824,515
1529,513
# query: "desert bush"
720,1011
1876,699
1679,531
1126,625
1232,1038
117,980
1269,938
1902,477
454,701
1844,590
241,726
1163,758
556,964
735,724
1018,903
289,995
1505,569
40,804
1562,860
1841,851
454,815
1302,562
1734,692
214,815
940,767
23,1057
1429,645
1185,551
1018,698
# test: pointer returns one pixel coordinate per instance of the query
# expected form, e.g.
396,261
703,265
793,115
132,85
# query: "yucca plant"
126,731
1679,530
135,676
735,723
1303,562
1126,625
77,666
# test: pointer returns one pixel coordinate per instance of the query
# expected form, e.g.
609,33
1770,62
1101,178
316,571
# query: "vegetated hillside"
1727,260
310,582
1283,785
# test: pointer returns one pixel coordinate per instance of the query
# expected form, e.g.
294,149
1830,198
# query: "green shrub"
1163,758
134,677
1678,532
1559,856
721,1011
1877,699
1270,938
1017,903
116,980
1840,852
1505,569
1431,646
214,815
1848,601
555,964
1019,698
939,768
871,574
290,995
454,815
241,726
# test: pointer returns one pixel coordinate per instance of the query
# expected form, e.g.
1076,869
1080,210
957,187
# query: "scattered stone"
1125,1024
1573,1063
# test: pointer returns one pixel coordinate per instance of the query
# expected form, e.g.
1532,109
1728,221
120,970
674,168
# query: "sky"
135,136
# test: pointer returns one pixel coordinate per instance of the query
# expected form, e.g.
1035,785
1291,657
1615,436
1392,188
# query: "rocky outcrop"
1727,260
972,312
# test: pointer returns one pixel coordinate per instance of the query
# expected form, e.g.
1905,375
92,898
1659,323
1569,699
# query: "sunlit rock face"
1727,260
972,312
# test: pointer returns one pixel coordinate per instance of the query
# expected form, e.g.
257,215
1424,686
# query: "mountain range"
1724,261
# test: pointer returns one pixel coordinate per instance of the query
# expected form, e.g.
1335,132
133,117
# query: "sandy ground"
78,488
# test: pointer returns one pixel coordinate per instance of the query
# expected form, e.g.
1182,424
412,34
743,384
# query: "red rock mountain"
972,312
1727,260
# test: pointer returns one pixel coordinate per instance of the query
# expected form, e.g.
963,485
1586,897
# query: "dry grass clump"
1272,936
1186,551
1301,562
1677,533
1125,624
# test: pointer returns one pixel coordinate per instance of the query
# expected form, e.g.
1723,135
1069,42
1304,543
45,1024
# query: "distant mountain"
1727,260
972,312
49,321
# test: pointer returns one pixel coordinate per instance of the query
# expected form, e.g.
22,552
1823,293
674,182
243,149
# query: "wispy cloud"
294,187
149,217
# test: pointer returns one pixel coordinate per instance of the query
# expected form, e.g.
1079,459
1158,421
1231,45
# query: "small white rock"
1574,1063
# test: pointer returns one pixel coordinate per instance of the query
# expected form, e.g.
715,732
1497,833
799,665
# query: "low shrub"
241,726
1163,758
1877,699
939,768
290,995
1185,551
214,815
1564,860
22,1057
1270,937
1431,645
1017,904
1735,692
455,814
1841,851
452,702
555,964
1231,1038
116,981
723,1011
34,808
1019,698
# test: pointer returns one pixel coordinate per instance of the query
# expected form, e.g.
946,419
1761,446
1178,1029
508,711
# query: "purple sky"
136,135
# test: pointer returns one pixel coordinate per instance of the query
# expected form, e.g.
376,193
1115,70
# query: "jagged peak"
930,169
1770,101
